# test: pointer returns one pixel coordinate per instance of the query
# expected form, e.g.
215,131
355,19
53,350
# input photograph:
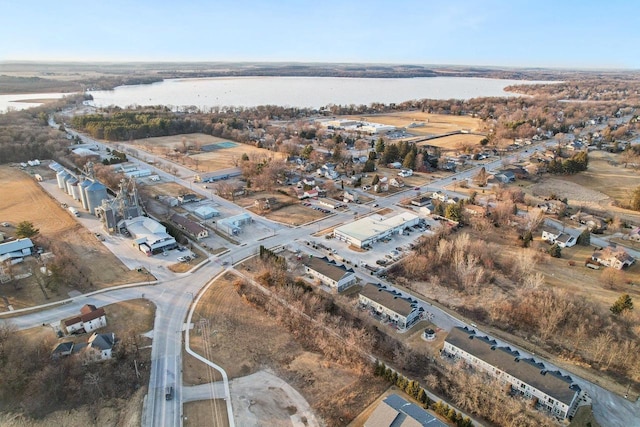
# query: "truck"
74,211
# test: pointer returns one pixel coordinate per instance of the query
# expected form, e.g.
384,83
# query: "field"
208,153
244,341
427,124
202,413
288,211
91,265
454,142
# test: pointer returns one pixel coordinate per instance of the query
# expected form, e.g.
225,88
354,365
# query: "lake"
15,102
312,92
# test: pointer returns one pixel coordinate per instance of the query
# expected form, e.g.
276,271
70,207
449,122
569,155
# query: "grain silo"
67,179
69,184
95,193
75,190
60,176
82,188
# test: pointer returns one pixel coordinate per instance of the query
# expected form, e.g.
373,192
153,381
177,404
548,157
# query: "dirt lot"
92,266
289,210
209,161
202,413
244,340
432,123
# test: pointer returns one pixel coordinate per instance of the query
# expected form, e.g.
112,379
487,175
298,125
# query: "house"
555,392
328,171
401,311
337,277
405,173
421,201
634,235
616,258
395,165
553,206
592,222
505,177
394,411
396,182
330,203
309,180
99,347
16,249
90,319
475,210
188,198
61,350
265,203
439,195
310,194
552,235
350,196
190,227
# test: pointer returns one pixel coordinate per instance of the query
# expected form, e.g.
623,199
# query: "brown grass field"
289,211
454,142
220,158
24,200
433,123
244,340
206,413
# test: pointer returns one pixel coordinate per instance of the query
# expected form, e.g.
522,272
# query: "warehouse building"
206,212
368,230
150,236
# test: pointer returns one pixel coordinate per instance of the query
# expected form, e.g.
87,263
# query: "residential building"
188,198
396,182
99,347
90,319
190,227
505,177
552,235
329,273
555,392
403,312
475,210
365,231
634,235
330,203
394,411
616,258
350,196
421,201
309,180
265,203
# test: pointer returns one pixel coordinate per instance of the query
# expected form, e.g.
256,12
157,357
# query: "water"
9,102
312,92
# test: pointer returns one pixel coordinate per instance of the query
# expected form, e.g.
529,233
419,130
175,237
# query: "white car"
182,259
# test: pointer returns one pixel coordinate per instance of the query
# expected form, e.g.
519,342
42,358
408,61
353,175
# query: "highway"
173,298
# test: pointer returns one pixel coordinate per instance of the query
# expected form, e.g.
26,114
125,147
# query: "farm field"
208,153
91,265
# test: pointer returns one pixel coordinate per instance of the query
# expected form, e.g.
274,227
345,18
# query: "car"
416,188
182,259
454,178
168,395
225,263
375,205
366,188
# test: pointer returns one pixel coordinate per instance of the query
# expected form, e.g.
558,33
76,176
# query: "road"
173,297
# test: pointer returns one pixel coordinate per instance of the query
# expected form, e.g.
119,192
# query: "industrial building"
15,250
365,231
554,392
233,224
124,206
150,236
206,212
192,228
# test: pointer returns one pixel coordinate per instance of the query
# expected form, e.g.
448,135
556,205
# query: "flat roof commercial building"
555,392
365,231
150,236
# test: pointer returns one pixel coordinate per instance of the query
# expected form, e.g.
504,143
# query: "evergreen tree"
376,179
380,146
635,201
409,160
555,251
527,239
584,238
25,229
623,303
369,166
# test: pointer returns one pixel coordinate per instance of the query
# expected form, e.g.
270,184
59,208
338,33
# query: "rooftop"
394,411
328,268
15,246
370,226
191,226
384,297
508,360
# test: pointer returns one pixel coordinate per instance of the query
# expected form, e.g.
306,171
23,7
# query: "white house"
616,258
337,277
555,392
552,235
403,312
90,319
396,182
99,347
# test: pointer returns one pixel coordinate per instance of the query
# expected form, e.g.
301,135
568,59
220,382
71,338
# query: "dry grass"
221,158
204,412
454,142
433,123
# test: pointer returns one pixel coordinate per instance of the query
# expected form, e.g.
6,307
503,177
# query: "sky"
516,33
